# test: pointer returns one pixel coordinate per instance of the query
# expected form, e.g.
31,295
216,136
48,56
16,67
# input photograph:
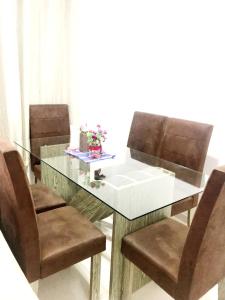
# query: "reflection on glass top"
134,183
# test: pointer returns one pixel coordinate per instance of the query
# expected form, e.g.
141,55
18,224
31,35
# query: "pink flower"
95,137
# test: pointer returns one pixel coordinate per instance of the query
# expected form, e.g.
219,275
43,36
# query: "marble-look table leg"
221,290
121,227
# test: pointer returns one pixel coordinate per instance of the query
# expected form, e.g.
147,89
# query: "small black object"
99,176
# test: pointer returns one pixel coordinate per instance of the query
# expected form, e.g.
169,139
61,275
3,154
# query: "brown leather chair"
185,143
47,242
176,140
185,263
146,132
44,198
49,125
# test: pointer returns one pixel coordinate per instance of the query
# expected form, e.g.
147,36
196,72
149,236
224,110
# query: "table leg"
127,284
121,227
221,290
88,205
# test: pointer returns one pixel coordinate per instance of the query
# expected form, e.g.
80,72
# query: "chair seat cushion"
37,171
45,199
66,237
157,247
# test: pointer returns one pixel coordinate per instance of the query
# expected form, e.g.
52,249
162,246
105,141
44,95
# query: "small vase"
95,151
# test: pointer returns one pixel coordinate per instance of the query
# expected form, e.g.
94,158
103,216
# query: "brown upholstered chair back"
185,143
49,125
180,141
18,217
146,132
203,259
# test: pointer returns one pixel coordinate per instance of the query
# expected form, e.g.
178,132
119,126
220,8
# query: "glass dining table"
136,188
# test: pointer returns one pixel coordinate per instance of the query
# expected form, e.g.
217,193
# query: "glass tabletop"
133,183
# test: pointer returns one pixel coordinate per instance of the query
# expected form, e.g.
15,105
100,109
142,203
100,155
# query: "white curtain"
10,93
37,61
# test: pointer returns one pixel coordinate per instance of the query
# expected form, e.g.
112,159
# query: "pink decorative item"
95,151
94,139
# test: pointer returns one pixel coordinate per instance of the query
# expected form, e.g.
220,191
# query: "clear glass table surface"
133,183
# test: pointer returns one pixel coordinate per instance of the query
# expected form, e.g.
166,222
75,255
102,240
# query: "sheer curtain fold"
10,78
35,66
44,44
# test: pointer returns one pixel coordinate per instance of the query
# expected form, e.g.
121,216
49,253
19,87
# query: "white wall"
165,57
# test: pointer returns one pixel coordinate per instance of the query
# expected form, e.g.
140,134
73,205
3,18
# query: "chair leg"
95,277
127,283
189,218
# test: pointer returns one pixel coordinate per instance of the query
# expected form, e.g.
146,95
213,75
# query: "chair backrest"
146,132
185,143
203,259
49,125
18,217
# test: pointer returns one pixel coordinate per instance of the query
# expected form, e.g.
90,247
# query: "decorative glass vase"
95,151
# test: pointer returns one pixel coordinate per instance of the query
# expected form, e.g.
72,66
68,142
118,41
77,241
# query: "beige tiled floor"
73,283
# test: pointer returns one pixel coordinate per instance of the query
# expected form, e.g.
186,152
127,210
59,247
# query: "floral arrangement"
94,140
94,137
